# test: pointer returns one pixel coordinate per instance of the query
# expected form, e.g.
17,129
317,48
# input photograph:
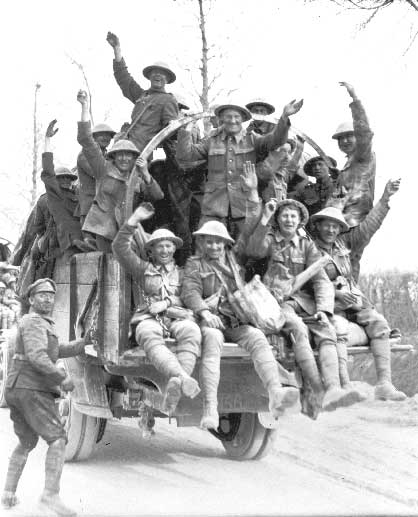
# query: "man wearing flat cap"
154,108
33,384
227,197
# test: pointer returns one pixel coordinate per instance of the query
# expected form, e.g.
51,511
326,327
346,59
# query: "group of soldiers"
252,206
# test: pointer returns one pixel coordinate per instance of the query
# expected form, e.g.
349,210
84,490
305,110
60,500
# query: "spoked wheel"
243,436
83,431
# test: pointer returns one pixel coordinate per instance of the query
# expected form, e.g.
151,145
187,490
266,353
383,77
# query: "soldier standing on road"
359,173
32,385
154,108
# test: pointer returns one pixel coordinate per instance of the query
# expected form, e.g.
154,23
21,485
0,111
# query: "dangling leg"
17,463
212,342
255,342
188,337
377,329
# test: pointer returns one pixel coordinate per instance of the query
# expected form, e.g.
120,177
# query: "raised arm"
271,141
130,88
91,150
187,151
48,172
122,246
259,242
150,188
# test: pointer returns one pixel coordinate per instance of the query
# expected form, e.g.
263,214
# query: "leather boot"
17,463
54,463
384,389
335,396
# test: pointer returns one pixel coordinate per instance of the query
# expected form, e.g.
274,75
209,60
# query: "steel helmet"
215,229
64,171
246,115
292,203
171,76
307,168
163,234
332,213
342,129
103,128
123,145
261,102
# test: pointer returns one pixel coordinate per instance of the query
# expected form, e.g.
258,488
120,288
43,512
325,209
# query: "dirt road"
363,460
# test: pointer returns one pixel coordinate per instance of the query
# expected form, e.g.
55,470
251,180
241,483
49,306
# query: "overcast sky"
278,49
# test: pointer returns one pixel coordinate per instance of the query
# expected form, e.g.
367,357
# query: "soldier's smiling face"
347,143
162,252
288,220
103,139
259,109
328,230
124,161
212,247
42,302
231,120
158,78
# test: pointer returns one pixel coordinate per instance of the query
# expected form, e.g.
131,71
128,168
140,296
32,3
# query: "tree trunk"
204,96
34,189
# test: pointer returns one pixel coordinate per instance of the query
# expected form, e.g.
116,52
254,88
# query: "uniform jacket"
201,282
61,204
87,182
358,174
106,212
316,195
157,282
353,240
287,261
224,190
157,108
36,352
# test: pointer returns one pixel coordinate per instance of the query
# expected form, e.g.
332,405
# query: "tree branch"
81,68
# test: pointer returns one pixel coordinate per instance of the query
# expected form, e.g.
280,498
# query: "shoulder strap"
235,269
136,119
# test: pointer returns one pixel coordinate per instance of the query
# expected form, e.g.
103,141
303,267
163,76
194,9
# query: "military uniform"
153,109
106,212
225,196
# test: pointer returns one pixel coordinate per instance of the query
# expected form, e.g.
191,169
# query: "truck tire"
82,431
244,437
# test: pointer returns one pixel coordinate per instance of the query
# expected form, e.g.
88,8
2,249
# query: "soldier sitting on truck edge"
154,108
289,254
106,212
33,383
225,197
208,280
160,312
336,239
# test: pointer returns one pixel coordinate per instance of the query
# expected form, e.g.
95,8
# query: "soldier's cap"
171,76
246,115
296,205
64,171
2,285
215,229
332,213
307,168
103,128
40,286
343,129
261,102
123,145
162,234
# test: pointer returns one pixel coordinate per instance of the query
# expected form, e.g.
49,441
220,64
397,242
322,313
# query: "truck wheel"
243,436
82,430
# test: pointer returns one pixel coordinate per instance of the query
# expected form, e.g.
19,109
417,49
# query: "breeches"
186,333
245,336
374,324
34,413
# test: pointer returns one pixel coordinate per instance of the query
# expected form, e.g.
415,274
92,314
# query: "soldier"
260,107
315,196
226,198
358,174
106,212
33,384
102,135
158,281
336,239
154,108
62,199
289,254
208,280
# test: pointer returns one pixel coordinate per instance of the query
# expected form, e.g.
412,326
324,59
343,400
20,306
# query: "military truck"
94,292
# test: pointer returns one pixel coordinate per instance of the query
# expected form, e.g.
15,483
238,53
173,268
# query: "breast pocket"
208,280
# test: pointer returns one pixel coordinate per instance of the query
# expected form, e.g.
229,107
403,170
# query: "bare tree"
86,82
34,189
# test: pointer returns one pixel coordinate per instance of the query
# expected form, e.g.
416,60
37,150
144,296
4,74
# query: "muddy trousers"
377,330
324,337
149,335
249,338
